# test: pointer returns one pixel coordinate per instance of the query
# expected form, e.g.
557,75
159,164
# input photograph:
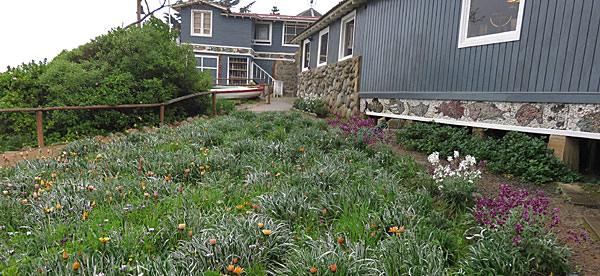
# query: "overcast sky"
38,29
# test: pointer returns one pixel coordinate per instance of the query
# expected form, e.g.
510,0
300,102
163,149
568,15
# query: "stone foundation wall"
336,84
287,71
583,118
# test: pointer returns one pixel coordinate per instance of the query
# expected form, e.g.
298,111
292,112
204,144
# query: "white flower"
449,158
434,158
456,154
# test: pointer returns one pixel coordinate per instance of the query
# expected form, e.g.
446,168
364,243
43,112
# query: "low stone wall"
582,120
336,84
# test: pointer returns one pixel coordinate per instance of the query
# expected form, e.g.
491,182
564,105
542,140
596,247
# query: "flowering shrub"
362,128
466,169
523,221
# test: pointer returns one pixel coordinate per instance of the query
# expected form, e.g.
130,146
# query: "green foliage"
125,66
312,106
277,193
514,154
457,192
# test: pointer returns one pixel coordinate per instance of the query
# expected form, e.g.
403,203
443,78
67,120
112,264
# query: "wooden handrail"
39,110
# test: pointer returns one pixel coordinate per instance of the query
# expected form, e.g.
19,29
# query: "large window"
490,21
201,23
238,71
290,31
208,64
306,55
323,41
347,36
262,33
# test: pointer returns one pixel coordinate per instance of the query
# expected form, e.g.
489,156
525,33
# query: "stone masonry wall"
286,71
336,84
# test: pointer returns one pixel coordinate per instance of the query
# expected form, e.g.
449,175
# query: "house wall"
411,46
226,31
276,42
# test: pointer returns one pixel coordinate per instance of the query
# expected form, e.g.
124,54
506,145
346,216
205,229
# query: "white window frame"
202,22
321,33
464,42
283,34
305,67
345,19
201,65
263,42
247,67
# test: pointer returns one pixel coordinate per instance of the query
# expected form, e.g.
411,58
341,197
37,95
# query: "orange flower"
167,178
333,268
65,255
181,226
213,241
239,207
235,260
238,270
230,268
187,171
104,240
341,240
267,232
401,229
302,149
75,265
394,229
313,270
260,225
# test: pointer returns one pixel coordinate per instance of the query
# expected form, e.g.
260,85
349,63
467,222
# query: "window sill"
345,58
202,35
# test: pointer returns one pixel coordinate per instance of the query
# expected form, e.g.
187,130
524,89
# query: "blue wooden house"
523,65
236,47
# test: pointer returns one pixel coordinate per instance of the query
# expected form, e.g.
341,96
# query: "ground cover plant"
138,65
515,153
254,194
314,106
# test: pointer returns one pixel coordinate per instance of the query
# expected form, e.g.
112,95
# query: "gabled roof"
337,12
180,4
274,17
310,12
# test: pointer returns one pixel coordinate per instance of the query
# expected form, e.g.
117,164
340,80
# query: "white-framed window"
237,70
323,44
489,21
305,55
263,32
208,64
347,36
201,23
290,31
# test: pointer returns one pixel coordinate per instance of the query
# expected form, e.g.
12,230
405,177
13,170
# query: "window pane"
197,22
348,38
306,55
492,17
323,50
261,32
207,22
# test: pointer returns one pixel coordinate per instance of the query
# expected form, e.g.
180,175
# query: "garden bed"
273,193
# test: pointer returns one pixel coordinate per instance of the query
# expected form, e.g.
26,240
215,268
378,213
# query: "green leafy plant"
315,106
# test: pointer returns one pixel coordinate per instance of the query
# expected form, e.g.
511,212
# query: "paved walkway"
277,104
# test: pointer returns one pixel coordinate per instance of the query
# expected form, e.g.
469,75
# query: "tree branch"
162,6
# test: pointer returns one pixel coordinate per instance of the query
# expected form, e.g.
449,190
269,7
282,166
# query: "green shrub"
515,153
126,66
313,106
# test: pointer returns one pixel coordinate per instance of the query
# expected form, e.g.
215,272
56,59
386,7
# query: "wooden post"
566,149
268,94
40,130
214,99
162,115
139,12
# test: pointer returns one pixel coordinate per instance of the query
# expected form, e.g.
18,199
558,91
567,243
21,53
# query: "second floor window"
201,23
290,31
262,33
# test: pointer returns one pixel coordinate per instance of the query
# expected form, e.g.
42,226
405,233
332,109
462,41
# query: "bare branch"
162,6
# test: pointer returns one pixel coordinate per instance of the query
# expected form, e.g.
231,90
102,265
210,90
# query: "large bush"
125,66
515,153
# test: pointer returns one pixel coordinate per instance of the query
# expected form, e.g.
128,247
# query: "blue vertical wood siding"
412,45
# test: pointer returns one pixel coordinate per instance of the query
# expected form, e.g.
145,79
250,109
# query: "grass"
271,193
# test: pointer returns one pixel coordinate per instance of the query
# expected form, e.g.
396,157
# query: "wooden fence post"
39,126
162,115
214,99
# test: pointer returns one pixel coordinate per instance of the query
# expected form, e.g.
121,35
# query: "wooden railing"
39,110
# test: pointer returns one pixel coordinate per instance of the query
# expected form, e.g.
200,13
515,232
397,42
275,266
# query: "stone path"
277,104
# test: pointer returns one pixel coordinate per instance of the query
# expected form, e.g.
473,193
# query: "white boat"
237,92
